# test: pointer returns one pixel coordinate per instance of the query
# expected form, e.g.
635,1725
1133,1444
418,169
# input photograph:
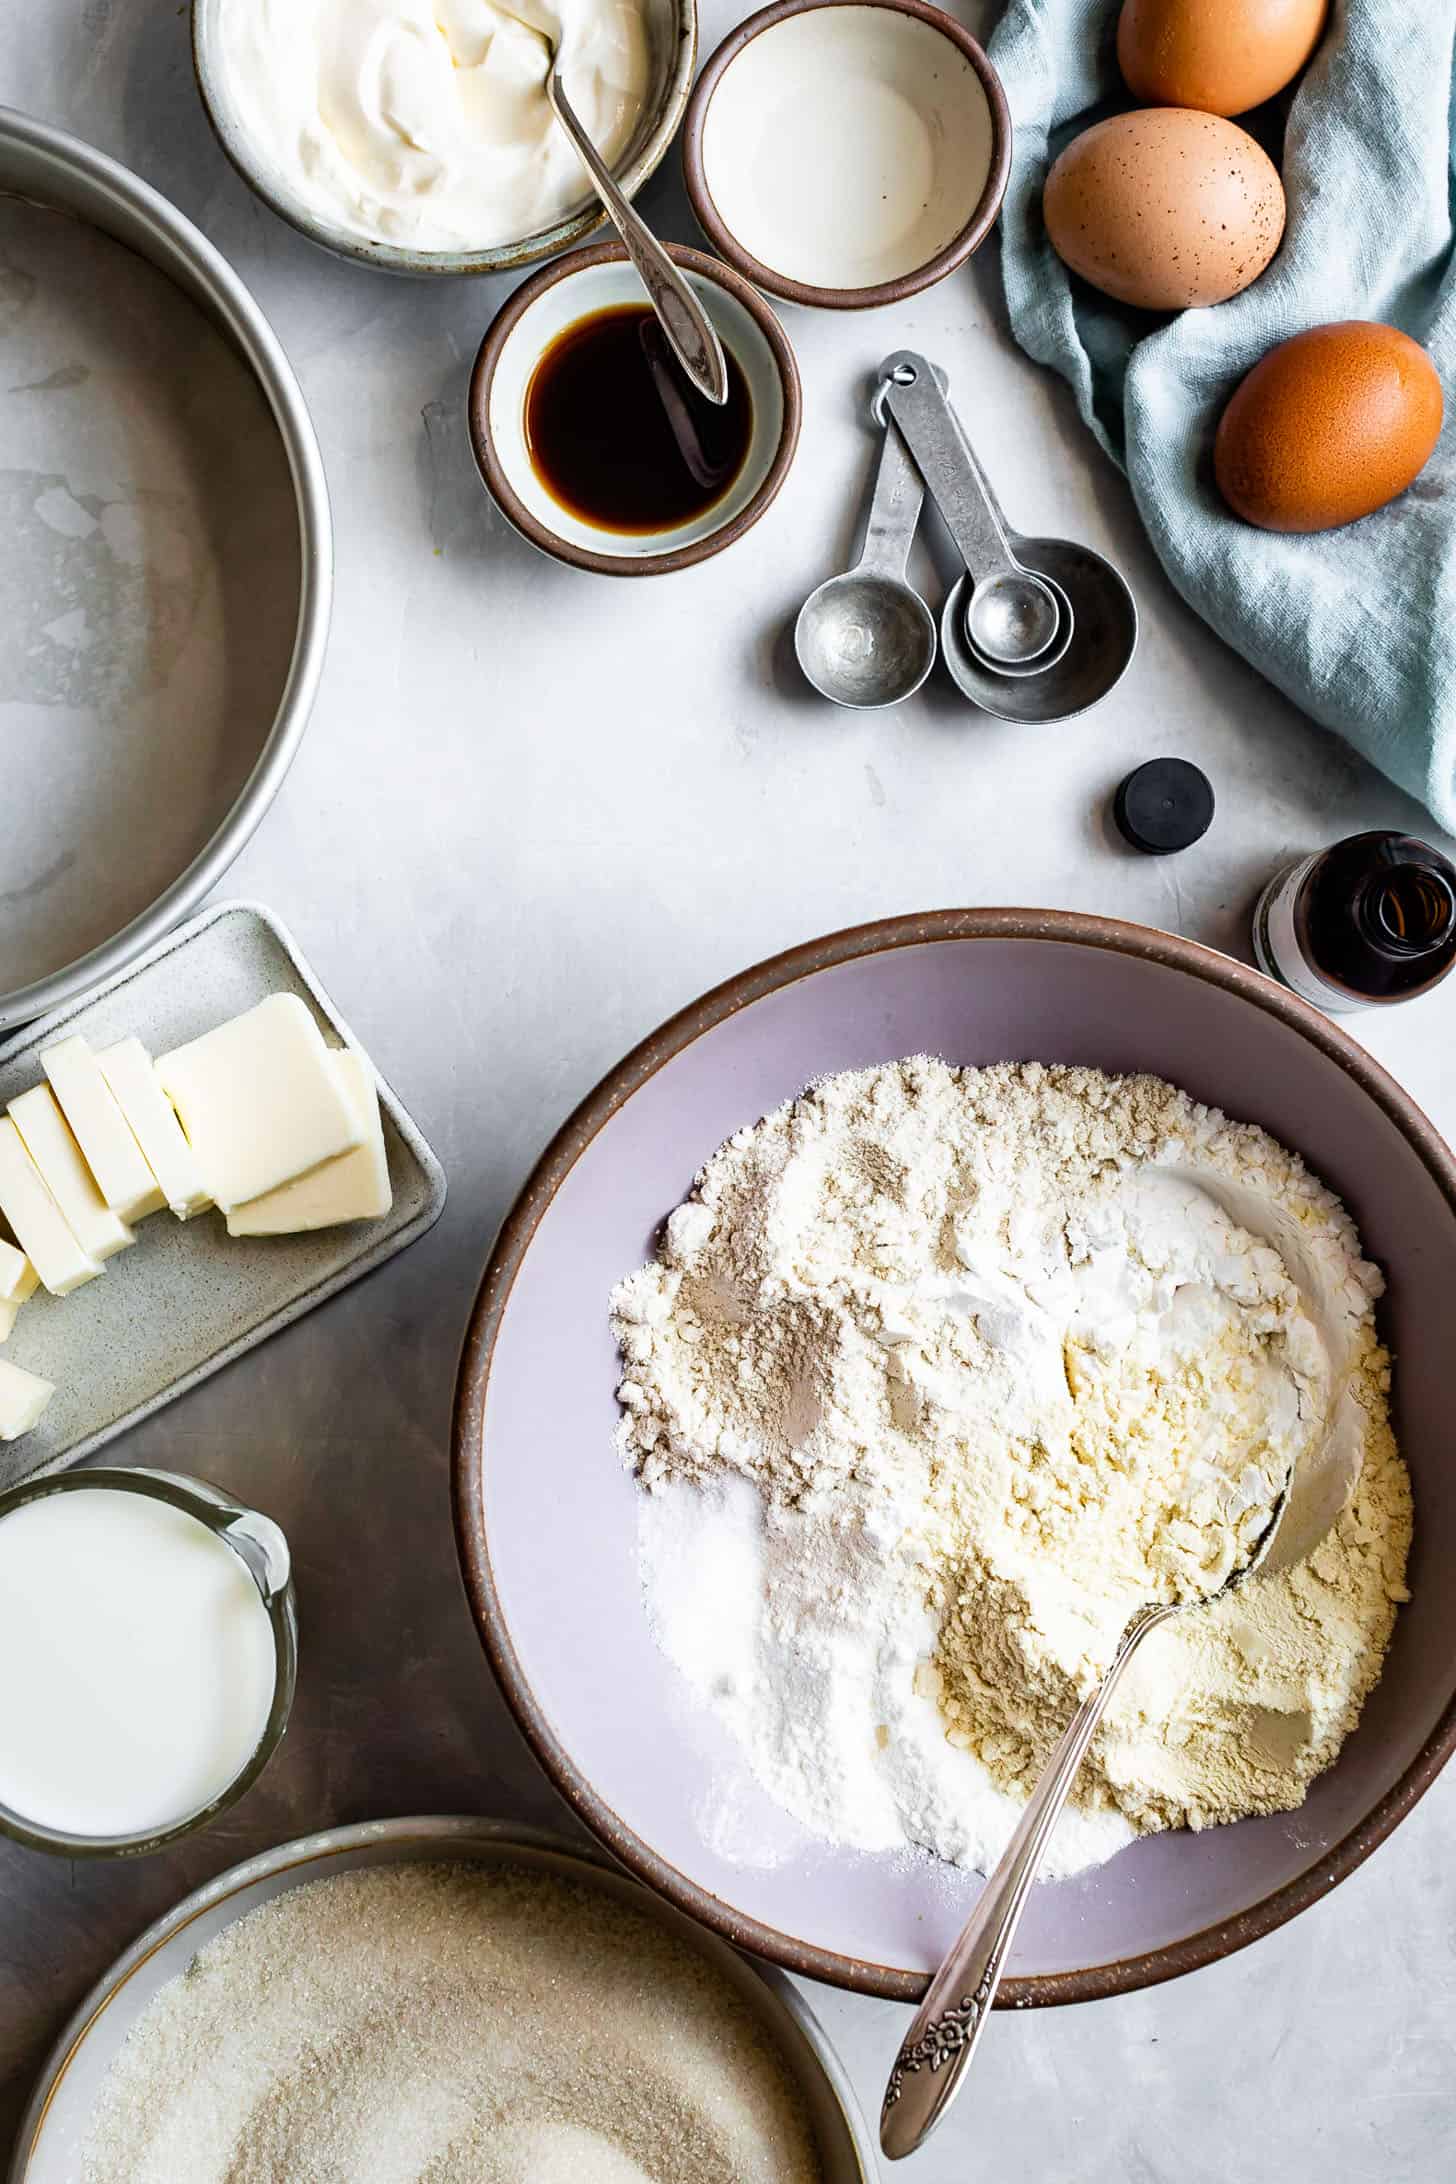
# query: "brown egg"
1165,208
1221,55
1328,427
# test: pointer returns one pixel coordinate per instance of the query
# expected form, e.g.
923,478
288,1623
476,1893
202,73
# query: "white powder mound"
448,2025
938,1377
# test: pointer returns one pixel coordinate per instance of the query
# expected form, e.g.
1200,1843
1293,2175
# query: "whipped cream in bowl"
417,134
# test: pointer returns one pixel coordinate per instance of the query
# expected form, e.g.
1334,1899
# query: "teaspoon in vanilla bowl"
847,153
687,328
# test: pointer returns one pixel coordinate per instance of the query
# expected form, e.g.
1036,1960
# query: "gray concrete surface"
510,852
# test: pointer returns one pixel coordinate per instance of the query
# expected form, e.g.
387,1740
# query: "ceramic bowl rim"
504,494
961,246
1086,1983
395,257
432,1838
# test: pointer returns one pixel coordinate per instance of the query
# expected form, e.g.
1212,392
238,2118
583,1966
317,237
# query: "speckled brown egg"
1328,427
1165,208
1221,55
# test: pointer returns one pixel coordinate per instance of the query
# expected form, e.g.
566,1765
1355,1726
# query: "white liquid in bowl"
137,1663
847,146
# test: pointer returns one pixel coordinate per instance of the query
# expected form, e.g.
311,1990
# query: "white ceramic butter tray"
187,1298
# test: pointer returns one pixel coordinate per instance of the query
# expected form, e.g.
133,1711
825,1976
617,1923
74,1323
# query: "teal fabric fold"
1358,625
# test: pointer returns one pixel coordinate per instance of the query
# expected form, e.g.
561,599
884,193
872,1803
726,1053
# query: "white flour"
938,1376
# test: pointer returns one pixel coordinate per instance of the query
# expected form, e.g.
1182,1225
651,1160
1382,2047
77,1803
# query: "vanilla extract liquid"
1369,921
620,437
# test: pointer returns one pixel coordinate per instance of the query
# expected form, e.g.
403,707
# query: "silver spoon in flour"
937,2049
689,332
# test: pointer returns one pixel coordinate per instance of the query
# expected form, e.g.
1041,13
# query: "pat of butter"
18,1278
101,1130
23,1398
37,1222
354,1187
259,1101
152,1119
62,1164
9,1314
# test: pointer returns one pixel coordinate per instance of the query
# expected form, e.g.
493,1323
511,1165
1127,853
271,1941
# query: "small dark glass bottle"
1369,921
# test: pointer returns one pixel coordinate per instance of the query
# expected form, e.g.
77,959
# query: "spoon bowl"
1013,618
865,639
1056,651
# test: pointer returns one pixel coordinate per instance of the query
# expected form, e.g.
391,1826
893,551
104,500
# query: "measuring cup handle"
895,507
914,399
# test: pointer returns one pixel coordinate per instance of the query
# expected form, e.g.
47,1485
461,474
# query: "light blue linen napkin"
1358,625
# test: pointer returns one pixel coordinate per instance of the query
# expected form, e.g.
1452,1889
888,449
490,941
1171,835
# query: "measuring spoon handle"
898,498
937,2049
690,332
915,401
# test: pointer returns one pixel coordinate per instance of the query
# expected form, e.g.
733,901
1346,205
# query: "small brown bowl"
850,114
524,329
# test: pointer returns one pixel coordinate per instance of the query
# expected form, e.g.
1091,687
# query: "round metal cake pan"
52,2134
49,169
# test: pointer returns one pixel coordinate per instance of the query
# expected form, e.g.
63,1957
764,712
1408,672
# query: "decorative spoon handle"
941,2041
688,328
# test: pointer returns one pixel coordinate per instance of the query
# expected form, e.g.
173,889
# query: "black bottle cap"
1164,805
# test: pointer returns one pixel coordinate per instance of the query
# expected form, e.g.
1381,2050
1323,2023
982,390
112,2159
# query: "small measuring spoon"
867,638
937,2049
690,332
1015,619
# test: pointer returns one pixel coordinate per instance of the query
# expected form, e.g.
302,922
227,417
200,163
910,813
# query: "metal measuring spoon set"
1036,629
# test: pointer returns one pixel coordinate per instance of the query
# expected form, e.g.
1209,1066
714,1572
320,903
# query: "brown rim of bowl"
477,409
509,1251
955,253
566,234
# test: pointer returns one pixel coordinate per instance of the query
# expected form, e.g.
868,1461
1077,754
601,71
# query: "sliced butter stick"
101,1130
152,1119
23,1398
18,1278
49,1142
37,1222
354,1187
259,1101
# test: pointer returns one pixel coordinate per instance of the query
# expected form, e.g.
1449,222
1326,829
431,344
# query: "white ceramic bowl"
574,288
847,153
672,40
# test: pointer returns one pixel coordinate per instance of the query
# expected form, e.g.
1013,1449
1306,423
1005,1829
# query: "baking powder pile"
448,2025
940,1375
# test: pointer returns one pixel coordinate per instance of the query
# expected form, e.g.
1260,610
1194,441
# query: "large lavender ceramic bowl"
546,1517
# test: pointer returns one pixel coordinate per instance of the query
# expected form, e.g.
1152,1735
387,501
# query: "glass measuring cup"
262,1551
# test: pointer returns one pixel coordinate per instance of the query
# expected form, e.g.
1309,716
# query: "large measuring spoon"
867,638
1017,621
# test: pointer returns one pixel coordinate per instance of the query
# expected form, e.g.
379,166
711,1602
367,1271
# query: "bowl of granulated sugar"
445,1999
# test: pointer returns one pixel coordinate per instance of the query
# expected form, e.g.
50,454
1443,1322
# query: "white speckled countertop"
535,813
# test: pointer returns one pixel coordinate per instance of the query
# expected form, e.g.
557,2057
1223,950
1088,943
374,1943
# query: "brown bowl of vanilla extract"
591,439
